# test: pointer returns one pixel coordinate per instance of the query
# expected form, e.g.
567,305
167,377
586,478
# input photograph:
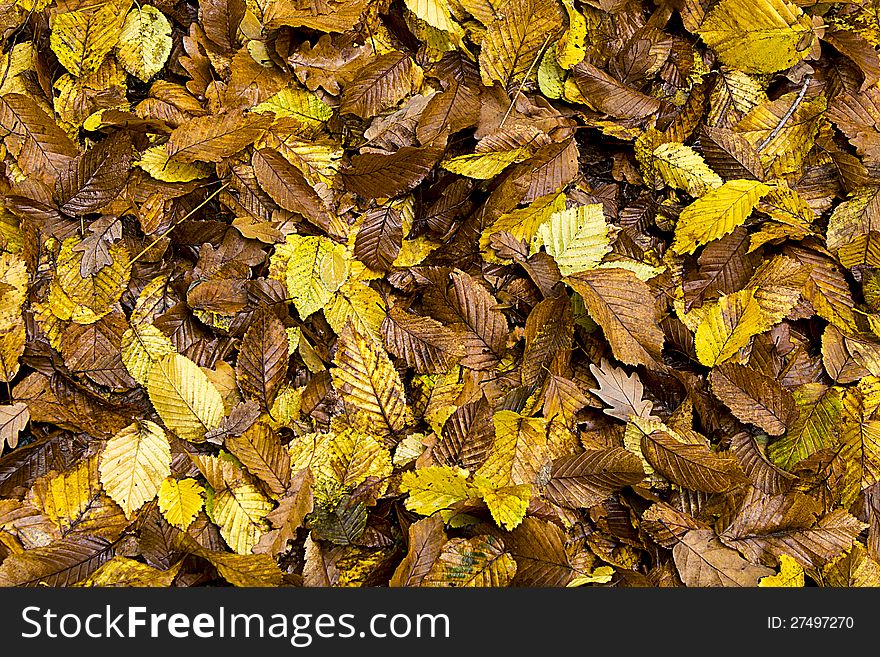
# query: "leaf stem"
787,115
178,222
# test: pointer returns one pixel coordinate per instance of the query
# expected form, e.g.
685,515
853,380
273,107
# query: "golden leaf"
180,501
81,39
240,514
85,300
145,42
369,384
478,561
790,574
184,398
757,36
134,463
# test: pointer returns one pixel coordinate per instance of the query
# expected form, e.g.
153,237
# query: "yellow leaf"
523,222
778,284
285,408
85,300
819,408
369,384
507,504
728,326
576,238
486,165
240,514
145,42
156,162
789,144
122,571
301,105
75,502
716,214
143,345
602,575
552,77
478,561
436,487
180,501
358,302
790,574
17,61
683,168
860,441
134,463
184,398
14,280
757,36
246,570
570,48
413,252
316,268
81,39
435,13
516,38
12,342
349,456
854,568
519,452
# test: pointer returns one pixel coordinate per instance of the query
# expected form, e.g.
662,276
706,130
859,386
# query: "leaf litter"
440,293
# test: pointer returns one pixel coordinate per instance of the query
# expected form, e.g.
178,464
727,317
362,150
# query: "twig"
787,115
525,79
178,222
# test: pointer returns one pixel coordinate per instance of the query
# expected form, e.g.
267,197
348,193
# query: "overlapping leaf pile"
440,293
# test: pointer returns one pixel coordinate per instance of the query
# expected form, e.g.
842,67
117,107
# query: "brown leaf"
691,466
539,550
702,560
591,477
96,246
221,19
425,344
458,300
93,350
261,452
763,474
623,306
373,175
380,84
262,359
467,436
725,267
379,240
730,155
426,539
623,394
549,328
212,138
13,420
92,180
292,509
754,397
611,96
768,526
36,141
287,186
60,563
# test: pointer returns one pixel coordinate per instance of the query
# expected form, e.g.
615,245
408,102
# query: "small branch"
525,79
178,222
787,115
